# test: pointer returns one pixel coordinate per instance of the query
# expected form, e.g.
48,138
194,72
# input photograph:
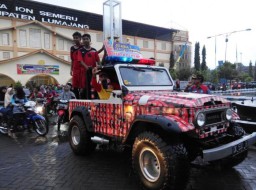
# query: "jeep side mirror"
124,90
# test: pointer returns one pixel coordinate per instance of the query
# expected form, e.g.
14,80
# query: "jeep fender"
170,124
84,113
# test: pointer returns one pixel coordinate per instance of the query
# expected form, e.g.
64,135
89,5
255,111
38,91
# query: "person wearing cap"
190,83
103,87
198,87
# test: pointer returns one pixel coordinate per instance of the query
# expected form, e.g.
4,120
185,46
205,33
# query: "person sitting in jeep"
103,87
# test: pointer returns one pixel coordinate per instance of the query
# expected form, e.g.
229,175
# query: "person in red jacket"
198,87
88,58
75,65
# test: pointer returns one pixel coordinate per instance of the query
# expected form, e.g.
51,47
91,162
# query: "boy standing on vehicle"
75,65
88,58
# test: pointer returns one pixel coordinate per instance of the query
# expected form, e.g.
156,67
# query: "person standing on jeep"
198,87
75,66
88,58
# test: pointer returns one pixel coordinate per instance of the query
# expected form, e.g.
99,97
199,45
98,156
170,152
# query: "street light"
226,40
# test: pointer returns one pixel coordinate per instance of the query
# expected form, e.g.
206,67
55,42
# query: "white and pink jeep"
165,130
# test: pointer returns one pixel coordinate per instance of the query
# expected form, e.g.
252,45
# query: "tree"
184,73
228,71
250,70
172,61
197,56
203,65
17,84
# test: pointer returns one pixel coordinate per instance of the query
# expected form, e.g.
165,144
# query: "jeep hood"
168,98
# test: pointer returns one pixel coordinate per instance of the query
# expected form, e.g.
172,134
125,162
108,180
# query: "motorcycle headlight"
228,114
200,119
39,109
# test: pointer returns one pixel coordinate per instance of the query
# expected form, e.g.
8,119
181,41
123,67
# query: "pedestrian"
75,69
8,96
177,82
88,58
198,86
190,83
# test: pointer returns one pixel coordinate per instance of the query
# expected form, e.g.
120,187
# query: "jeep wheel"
157,164
79,139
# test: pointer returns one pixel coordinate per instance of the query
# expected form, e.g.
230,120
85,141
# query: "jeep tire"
79,138
157,164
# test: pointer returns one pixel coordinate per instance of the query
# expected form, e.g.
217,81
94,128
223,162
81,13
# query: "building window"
23,38
46,40
145,44
6,55
163,46
5,39
99,37
61,44
35,38
69,44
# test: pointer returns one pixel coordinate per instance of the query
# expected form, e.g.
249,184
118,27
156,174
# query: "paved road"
31,162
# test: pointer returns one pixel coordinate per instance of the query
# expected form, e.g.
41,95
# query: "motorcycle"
62,112
22,117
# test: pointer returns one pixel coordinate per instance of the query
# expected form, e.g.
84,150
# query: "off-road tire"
170,161
79,138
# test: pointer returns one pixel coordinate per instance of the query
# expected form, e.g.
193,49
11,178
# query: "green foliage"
184,73
250,69
173,73
248,79
214,76
228,71
17,84
203,65
197,56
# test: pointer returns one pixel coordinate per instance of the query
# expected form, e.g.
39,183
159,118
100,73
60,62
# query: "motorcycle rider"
36,94
19,97
67,94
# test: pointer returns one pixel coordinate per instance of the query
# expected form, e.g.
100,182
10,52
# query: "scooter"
62,112
22,117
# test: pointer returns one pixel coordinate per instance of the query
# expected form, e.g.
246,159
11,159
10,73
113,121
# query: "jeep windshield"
145,76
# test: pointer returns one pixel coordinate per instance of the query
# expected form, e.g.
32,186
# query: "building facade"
35,39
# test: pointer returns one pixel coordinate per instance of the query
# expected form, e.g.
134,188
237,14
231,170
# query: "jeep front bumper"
229,149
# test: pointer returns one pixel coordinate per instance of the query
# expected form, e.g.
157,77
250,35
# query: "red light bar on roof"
147,62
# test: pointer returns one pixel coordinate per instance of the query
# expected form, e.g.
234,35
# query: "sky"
201,18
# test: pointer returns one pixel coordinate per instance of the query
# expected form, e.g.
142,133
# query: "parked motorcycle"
62,112
22,117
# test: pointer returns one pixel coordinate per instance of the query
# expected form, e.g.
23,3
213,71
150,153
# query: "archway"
41,79
6,80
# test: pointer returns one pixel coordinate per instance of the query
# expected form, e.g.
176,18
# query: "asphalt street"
32,162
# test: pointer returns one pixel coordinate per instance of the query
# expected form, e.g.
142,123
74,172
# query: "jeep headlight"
228,114
200,119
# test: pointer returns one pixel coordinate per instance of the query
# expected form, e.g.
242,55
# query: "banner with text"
37,69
